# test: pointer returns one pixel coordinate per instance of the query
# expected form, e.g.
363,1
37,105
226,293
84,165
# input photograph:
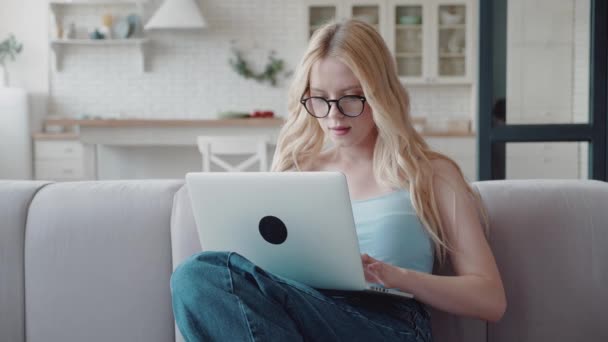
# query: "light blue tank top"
389,230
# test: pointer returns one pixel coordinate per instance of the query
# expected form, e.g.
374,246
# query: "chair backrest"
213,147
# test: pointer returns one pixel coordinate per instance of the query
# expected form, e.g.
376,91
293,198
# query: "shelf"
452,55
55,5
128,41
408,27
96,2
58,44
453,27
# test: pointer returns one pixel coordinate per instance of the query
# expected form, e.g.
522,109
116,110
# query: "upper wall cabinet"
432,40
320,12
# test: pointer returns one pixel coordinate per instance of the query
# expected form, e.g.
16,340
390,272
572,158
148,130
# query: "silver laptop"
298,225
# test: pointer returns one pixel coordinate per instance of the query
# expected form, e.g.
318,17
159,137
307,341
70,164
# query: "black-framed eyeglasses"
349,105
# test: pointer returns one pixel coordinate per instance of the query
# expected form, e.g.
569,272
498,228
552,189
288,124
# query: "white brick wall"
440,101
188,72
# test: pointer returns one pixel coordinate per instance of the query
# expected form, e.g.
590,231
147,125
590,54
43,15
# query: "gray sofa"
91,261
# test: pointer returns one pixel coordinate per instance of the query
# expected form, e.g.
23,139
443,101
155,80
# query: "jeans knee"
197,268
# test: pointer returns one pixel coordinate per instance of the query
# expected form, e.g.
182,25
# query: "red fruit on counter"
262,114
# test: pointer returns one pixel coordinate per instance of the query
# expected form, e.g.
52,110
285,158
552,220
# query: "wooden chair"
213,148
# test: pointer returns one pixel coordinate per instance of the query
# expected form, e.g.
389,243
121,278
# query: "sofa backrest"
98,262
15,198
550,240
92,260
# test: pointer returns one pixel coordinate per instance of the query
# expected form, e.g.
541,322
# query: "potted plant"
8,48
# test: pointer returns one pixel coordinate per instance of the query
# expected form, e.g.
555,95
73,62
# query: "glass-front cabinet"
319,12
452,40
408,43
432,40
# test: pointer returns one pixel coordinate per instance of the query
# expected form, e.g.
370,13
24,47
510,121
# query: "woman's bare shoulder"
448,172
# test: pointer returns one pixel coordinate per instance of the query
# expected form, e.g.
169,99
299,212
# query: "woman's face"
331,79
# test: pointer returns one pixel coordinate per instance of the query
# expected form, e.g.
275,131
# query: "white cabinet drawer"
59,169
49,149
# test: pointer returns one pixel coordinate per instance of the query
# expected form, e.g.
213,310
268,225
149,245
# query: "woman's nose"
334,111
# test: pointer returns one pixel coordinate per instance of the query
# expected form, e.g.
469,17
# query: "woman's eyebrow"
353,87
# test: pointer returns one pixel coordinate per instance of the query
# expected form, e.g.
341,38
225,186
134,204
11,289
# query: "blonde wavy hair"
401,156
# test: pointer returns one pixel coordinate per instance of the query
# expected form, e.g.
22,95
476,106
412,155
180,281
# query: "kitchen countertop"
207,123
266,122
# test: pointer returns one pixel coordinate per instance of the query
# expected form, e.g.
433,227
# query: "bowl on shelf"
448,18
410,19
121,29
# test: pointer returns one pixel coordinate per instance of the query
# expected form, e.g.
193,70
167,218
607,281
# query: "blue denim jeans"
222,296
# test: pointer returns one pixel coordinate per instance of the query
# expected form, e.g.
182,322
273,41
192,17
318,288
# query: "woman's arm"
477,289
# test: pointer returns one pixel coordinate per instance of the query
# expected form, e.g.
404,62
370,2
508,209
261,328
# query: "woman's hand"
380,272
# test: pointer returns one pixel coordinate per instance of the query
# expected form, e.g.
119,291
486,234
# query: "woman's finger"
370,277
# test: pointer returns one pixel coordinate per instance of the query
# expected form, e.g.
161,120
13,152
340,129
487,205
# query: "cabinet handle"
68,150
68,171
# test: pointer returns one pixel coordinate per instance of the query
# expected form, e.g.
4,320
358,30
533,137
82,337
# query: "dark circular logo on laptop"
273,230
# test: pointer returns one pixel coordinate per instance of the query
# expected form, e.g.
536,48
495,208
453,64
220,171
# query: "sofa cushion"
98,262
15,198
550,241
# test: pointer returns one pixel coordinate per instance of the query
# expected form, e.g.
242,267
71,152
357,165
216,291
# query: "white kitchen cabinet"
59,160
432,40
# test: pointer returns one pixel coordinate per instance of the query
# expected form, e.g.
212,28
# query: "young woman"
412,206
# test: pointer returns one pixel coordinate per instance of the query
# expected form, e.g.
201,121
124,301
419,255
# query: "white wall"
27,19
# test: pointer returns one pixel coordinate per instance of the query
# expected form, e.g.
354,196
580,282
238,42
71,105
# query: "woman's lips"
340,130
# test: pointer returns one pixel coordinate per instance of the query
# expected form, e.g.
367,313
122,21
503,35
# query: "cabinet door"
372,12
407,38
451,41
319,13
